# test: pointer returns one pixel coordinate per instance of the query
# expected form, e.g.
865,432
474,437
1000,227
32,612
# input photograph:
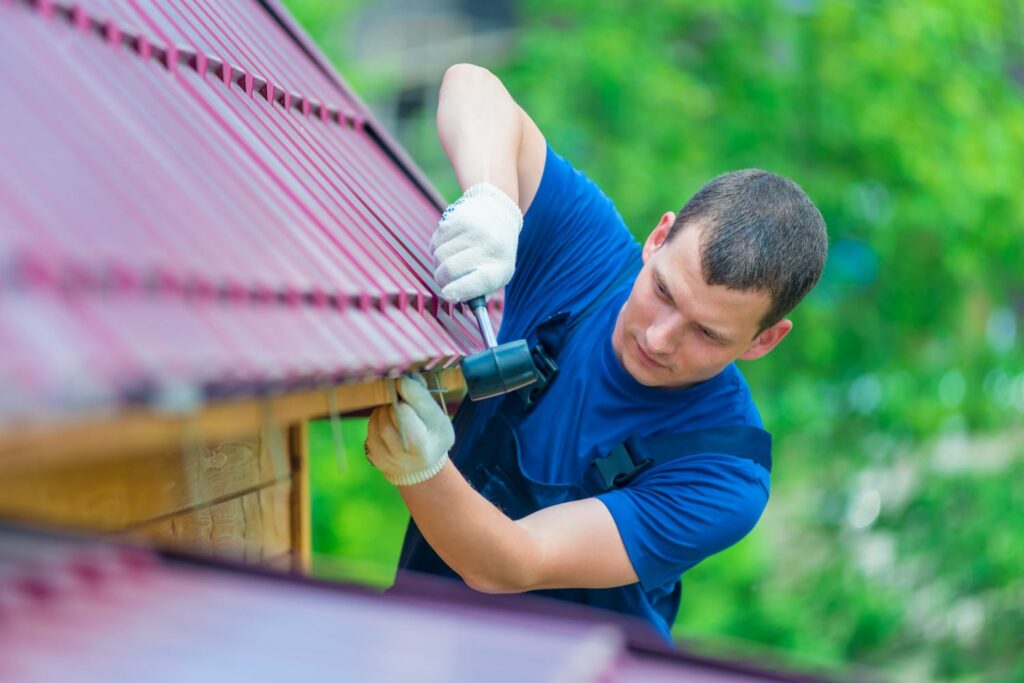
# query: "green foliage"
358,517
892,540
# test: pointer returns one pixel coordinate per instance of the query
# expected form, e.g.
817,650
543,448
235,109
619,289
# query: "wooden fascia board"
140,431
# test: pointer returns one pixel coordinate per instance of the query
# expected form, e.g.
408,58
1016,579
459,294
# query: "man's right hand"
475,243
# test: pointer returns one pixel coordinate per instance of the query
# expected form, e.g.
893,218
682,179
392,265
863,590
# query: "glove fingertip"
418,378
469,286
451,293
413,390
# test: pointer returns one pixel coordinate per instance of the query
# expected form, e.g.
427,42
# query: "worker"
642,452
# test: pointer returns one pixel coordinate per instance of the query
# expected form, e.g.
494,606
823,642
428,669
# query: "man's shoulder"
567,194
725,401
572,245
742,397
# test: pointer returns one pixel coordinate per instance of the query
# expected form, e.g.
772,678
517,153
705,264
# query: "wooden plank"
275,505
112,494
302,514
284,562
253,528
143,431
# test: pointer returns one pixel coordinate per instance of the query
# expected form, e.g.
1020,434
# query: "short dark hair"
759,231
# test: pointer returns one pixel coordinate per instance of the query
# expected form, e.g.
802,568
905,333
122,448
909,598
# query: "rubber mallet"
499,369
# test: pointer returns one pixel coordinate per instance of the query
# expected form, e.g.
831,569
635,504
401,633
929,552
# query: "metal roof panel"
173,227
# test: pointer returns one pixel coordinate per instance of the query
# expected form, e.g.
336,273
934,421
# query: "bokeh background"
894,539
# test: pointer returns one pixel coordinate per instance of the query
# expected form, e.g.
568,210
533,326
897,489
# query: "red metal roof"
87,610
189,198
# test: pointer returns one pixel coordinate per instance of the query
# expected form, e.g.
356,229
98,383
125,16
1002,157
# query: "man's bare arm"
487,136
572,545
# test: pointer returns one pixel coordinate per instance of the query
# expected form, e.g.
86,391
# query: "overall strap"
637,454
553,332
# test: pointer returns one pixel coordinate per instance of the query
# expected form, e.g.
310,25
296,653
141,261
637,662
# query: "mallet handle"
479,306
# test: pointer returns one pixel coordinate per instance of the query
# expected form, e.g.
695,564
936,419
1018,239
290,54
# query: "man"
645,453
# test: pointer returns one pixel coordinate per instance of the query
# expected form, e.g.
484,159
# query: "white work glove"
428,435
475,243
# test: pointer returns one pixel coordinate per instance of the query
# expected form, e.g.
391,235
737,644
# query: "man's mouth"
646,359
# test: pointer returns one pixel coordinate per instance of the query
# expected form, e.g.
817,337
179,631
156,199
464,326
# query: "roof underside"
190,204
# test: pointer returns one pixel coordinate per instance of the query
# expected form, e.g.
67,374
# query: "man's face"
675,329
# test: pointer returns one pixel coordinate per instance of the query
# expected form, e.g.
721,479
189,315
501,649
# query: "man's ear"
767,340
658,235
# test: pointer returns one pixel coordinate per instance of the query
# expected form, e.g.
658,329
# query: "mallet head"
499,370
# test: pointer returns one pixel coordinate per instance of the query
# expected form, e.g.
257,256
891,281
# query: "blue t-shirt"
670,517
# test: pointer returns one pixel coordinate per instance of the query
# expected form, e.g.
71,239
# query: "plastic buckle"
547,370
618,467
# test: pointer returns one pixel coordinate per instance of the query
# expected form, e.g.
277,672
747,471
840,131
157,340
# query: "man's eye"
661,288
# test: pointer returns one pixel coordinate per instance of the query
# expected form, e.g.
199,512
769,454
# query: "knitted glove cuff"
418,477
504,202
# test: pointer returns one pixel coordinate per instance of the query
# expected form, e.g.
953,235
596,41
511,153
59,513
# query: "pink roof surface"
85,610
189,198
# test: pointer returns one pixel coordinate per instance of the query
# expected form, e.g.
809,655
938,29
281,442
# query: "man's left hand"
428,435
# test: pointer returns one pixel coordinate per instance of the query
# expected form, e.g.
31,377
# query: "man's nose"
662,335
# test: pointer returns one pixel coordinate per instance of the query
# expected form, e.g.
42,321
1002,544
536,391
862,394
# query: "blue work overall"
487,454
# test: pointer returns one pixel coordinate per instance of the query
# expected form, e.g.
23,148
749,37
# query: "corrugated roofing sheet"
83,610
188,199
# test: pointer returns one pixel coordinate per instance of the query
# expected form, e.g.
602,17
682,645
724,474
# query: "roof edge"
306,43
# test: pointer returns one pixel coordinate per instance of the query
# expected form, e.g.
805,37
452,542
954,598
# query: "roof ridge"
173,56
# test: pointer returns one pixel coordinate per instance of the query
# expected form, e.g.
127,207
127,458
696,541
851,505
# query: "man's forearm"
491,553
480,128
